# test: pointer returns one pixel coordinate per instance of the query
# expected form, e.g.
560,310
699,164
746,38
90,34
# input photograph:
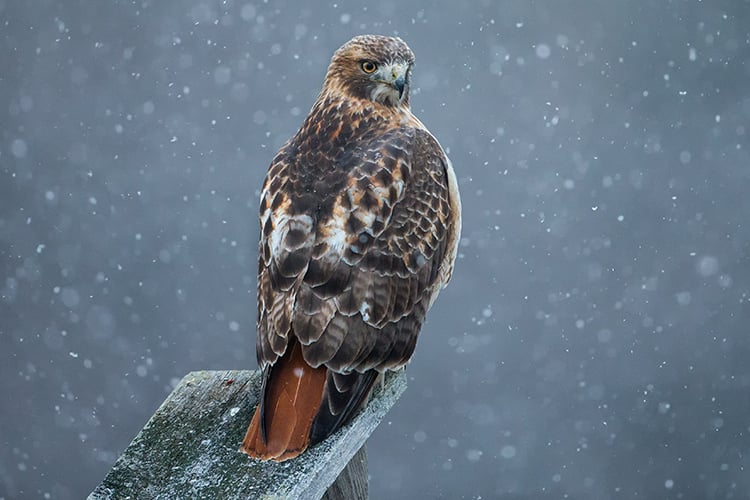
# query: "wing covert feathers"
355,251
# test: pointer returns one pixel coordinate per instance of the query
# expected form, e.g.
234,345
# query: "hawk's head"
372,67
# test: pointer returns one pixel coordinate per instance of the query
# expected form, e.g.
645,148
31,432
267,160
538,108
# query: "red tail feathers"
294,391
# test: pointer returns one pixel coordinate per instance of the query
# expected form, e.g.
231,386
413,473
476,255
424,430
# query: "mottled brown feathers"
360,218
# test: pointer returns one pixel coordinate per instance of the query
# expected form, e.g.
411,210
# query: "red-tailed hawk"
360,220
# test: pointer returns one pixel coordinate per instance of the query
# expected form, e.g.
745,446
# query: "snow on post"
190,447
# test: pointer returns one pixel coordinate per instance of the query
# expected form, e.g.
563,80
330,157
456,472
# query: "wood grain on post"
189,448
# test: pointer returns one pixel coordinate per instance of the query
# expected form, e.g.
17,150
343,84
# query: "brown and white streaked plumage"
360,220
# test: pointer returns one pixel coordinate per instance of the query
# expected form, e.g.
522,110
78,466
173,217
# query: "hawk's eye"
368,67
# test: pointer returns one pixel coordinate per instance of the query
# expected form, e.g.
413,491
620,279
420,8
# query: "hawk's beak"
395,75
400,84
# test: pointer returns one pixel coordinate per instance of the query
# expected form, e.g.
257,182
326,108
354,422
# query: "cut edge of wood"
190,445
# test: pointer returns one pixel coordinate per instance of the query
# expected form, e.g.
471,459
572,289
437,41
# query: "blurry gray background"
594,341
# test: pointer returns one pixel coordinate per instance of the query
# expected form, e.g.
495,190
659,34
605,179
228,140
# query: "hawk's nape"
360,221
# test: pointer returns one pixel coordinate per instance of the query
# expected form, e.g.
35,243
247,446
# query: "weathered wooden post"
189,448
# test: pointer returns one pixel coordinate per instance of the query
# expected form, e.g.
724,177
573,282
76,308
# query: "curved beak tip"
400,84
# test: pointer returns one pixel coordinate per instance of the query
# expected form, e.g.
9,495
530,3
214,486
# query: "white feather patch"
334,231
364,310
384,93
282,224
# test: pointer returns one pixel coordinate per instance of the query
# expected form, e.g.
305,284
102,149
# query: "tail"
293,391
301,406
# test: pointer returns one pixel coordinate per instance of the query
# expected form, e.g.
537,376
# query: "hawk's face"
377,68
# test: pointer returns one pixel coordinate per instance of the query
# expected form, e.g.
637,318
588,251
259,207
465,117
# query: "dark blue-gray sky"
594,341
